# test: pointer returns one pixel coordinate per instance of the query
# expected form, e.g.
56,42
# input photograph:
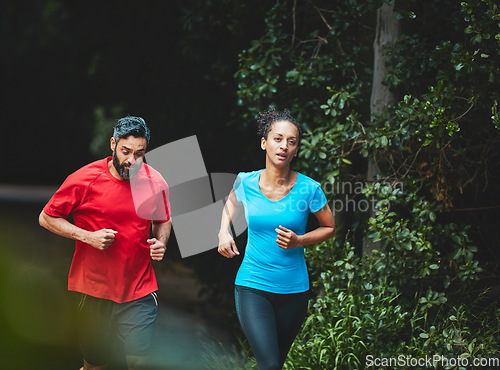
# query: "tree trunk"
387,34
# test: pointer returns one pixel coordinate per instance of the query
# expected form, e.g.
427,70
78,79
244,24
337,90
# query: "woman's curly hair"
266,120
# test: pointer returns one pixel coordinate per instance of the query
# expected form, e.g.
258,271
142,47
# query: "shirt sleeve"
159,187
66,199
318,199
162,211
238,187
150,194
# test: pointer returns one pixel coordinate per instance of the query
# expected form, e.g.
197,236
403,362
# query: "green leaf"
447,282
456,239
408,246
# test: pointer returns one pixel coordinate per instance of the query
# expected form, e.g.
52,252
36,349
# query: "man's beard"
125,169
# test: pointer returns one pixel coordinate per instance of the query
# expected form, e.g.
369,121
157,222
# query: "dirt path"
185,337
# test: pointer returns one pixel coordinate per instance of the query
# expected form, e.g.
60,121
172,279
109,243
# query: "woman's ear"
263,143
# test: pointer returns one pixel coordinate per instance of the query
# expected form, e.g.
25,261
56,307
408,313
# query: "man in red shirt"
116,203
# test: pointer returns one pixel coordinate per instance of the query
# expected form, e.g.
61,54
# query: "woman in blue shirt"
272,284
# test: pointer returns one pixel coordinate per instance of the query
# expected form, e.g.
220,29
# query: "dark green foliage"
431,288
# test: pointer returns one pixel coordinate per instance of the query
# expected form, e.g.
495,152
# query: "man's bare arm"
161,234
100,239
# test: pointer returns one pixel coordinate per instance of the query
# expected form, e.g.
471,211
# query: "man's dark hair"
266,120
130,125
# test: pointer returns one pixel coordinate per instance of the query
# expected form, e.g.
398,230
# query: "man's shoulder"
89,172
150,173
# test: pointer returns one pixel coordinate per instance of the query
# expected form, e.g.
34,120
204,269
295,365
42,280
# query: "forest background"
400,103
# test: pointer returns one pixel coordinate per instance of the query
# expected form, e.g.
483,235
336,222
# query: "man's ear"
112,144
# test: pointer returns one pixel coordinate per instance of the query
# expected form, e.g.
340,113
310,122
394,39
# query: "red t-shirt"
97,200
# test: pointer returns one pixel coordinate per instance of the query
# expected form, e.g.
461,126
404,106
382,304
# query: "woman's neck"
273,176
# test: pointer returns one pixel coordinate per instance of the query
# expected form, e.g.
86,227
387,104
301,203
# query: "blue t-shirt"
265,265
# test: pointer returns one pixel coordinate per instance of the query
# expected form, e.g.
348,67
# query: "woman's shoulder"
304,179
249,175
244,182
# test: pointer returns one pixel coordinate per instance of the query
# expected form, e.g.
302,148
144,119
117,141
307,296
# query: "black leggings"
270,322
